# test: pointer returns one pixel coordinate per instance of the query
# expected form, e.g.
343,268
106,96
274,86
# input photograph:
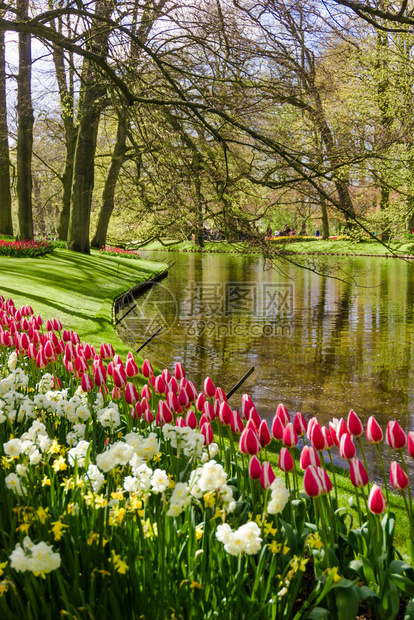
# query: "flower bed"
292,239
129,495
110,251
25,248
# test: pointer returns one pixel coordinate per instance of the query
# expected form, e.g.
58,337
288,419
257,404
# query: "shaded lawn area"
75,288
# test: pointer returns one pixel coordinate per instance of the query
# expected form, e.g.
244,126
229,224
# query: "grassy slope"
77,289
340,246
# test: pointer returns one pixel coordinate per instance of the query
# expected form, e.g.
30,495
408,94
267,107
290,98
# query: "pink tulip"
396,438
373,431
249,442
286,463
255,468
209,388
398,477
346,447
354,424
376,500
309,456
300,424
267,475
358,473
290,438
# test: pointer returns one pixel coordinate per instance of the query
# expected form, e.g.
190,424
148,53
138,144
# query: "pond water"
319,344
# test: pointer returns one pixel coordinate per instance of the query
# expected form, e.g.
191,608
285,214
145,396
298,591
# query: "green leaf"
409,612
347,600
366,593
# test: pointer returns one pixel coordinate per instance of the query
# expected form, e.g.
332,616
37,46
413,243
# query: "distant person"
316,233
292,232
269,231
276,233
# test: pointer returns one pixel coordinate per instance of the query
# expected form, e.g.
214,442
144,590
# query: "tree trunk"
25,120
325,221
108,195
6,224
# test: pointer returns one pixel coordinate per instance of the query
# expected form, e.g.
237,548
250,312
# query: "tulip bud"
396,438
118,376
286,463
148,416
398,477
290,438
131,368
201,399
225,414
208,410
264,433
191,419
313,483
172,402
147,369
57,325
99,376
246,405
146,392
309,456
166,376
164,415
191,390
220,395
255,468
207,432
317,437
249,442
179,372
346,447
300,424
136,412
411,444
277,428
183,398
358,473
173,385
86,383
159,385
373,431
267,475
236,424
329,442
131,394
354,424
376,500
209,388
253,415
283,414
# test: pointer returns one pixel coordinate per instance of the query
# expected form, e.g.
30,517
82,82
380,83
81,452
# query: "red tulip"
179,372
309,456
173,385
313,482
358,473
249,442
208,411
373,431
277,428
286,463
172,402
118,376
396,438
225,414
354,424
264,433
116,393
283,414
180,422
131,394
329,442
220,395
411,444
164,415
207,432
201,399
41,361
252,425
209,388
312,422
267,475
183,398
136,412
398,477
159,385
131,368
57,325
148,416
191,419
191,390
300,424
290,438
246,405
86,383
146,392
147,369
236,424
255,468
346,447
99,376
317,437
166,376
253,415
376,500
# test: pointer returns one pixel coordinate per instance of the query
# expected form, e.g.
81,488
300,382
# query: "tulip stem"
324,537
361,447
384,475
408,487
334,477
409,512
295,474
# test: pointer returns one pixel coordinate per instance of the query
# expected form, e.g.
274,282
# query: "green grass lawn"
75,288
342,246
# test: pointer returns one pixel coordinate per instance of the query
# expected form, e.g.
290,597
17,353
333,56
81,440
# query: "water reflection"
319,344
